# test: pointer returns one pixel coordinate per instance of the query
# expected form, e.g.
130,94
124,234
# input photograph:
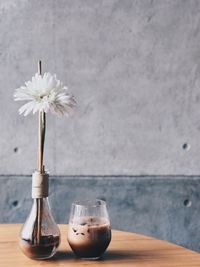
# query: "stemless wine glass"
89,232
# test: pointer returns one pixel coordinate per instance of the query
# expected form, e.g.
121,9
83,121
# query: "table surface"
126,249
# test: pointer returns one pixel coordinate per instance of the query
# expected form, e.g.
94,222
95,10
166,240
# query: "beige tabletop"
126,249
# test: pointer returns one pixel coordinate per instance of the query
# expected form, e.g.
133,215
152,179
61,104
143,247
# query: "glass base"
91,259
42,258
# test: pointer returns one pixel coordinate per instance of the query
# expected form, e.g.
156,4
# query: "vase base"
45,249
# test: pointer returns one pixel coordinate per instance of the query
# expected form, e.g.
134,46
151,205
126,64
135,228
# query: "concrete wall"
134,68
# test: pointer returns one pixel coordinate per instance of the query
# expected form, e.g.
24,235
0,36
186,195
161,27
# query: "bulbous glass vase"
40,236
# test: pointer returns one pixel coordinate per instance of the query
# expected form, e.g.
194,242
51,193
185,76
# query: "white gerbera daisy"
44,93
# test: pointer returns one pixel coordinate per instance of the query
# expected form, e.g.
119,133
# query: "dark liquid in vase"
44,249
90,237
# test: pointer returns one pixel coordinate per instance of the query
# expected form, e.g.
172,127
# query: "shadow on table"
109,256
137,255
116,255
63,255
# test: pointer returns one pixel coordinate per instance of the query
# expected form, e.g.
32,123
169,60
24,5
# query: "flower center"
41,96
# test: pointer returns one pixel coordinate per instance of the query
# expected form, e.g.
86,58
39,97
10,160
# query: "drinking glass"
89,231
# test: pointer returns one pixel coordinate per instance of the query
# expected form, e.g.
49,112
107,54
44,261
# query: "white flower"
44,93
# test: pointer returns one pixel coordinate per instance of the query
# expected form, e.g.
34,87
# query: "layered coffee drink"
89,236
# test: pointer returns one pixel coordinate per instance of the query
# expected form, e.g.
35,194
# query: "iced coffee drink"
89,236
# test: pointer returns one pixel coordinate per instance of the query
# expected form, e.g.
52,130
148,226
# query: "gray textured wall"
134,68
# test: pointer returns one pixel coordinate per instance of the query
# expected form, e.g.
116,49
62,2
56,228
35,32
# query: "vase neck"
40,185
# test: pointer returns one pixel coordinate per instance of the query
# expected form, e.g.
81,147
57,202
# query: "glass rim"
89,203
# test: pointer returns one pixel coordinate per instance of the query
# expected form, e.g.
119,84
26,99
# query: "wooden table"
126,249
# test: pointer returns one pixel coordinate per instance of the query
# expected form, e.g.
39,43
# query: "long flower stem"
40,165
41,131
39,203
41,140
